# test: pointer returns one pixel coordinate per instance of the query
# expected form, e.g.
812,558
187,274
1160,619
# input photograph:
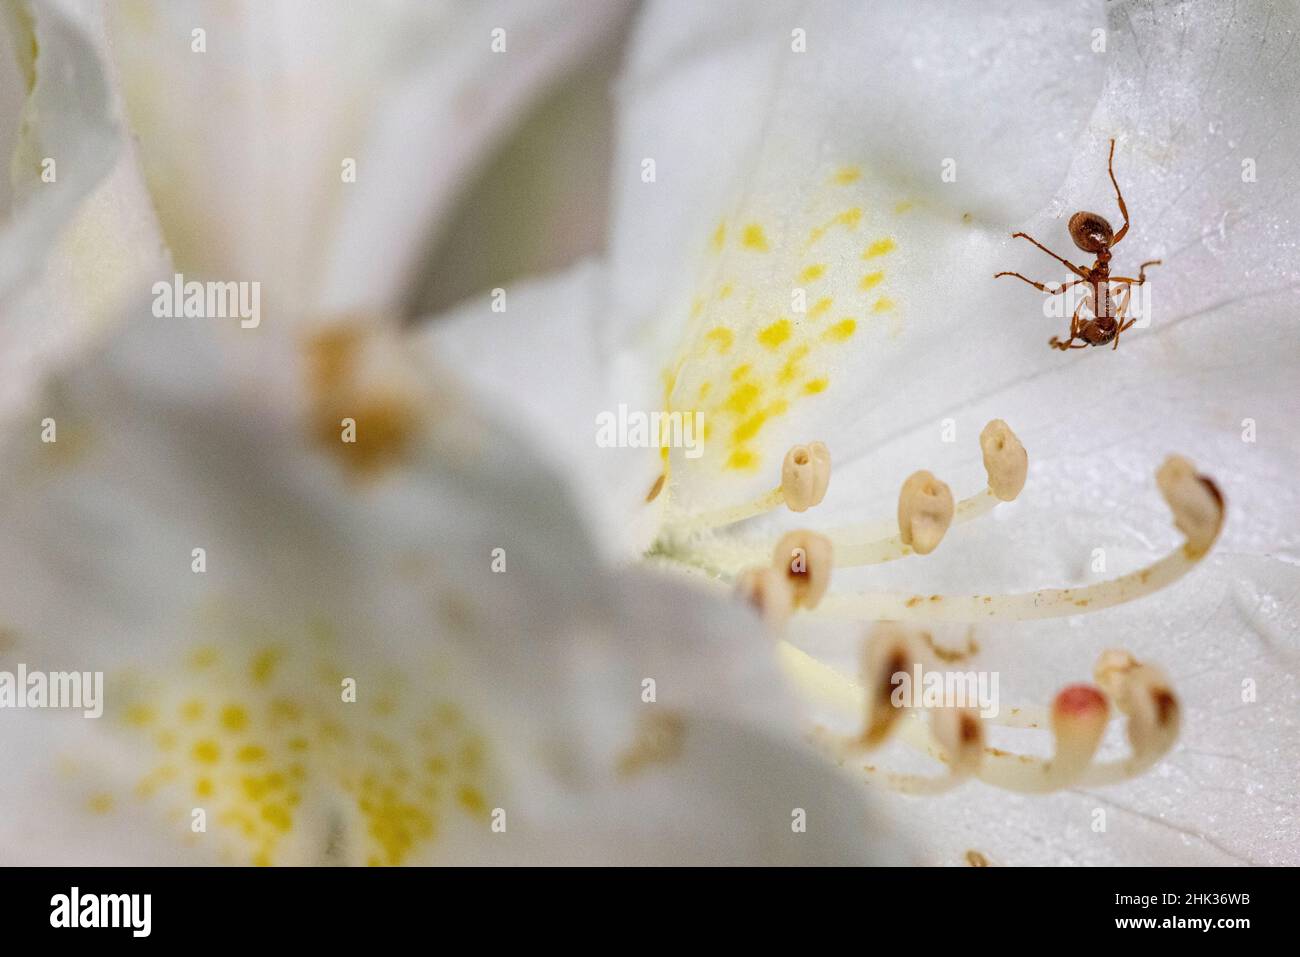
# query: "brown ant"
1093,234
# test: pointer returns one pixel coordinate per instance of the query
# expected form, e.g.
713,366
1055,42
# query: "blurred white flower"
875,160
390,649
315,148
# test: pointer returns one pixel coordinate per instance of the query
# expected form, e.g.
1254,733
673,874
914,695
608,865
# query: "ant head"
1090,232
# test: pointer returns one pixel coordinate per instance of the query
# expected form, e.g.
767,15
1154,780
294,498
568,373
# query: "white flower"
483,700
315,148
345,619
880,173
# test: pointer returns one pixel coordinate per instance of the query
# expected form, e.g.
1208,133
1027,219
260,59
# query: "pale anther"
925,509
1142,693
889,649
804,558
767,590
1194,499
805,476
1079,717
1005,460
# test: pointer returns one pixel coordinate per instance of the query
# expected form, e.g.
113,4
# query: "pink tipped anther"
1080,702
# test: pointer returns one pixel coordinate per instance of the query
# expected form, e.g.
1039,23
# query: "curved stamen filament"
1076,720
1026,606
767,502
805,476
853,545
925,509
1197,507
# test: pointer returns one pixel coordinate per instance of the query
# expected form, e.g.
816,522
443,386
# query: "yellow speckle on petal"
754,238
100,803
192,710
741,371
879,248
847,174
250,753
207,751
742,398
234,718
277,816
813,386
140,715
203,657
471,799
285,709
719,236
842,330
742,460
263,665
871,280
790,371
883,305
749,428
774,335
722,337
815,271
726,291
849,219
820,307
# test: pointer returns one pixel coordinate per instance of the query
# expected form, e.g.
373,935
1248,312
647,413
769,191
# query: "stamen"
1005,462
804,559
959,734
854,548
769,591
892,649
1078,720
805,476
1197,507
925,509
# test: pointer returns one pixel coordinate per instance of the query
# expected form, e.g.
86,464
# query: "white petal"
411,93
75,247
66,118
475,689
842,199
539,365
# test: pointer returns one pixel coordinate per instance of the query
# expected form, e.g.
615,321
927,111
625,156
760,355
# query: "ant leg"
1110,166
1119,316
1142,273
1056,343
1069,265
1041,287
